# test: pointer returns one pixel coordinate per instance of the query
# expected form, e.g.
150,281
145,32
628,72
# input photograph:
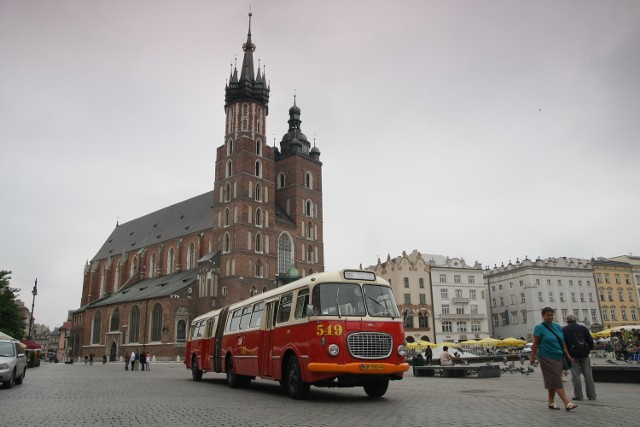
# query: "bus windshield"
346,299
380,302
338,299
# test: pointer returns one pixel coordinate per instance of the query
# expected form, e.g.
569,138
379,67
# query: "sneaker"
577,398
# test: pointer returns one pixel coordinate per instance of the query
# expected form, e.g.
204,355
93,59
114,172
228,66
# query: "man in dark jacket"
579,344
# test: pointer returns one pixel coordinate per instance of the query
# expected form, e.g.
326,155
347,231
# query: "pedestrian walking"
579,344
132,360
126,360
143,360
148,359
549,346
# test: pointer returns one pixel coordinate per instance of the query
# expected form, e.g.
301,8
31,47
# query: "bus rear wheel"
234,380
296,388
376,388
196,373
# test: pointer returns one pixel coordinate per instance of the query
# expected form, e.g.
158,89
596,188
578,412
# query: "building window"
620,294
493,302
471,280
423,321
191,256
514,317
258,242
447,326
458,293
462,326
445,308
472,294
610,294
407,298
444,293
259,217
550,296
281,180
561,296
258,169
456,278
634,315
134,325
229,169
540,299
134,266
115,320
522,298
285,253
623,313
423,299
630,295
605,315
582,297
614,316
259,148
406,282
475,326
171,258
501,301
459,309
606,278
181,330
95,336
156,323
495,319
152,266
474,308
421,282
443,278
308,180
258,195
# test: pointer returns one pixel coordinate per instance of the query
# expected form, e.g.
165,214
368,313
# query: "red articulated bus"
331,329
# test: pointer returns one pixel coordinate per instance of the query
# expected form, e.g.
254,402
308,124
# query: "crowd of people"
137,361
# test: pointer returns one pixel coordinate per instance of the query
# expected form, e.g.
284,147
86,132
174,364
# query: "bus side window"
301,304
284,310
199,329
256,316
234,323
210,323
246,316
194,330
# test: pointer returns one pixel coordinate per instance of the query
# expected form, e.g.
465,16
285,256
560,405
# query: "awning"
30,345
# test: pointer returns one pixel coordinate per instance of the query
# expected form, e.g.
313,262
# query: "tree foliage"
12,321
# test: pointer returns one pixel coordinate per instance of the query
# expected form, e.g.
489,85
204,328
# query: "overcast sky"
488,130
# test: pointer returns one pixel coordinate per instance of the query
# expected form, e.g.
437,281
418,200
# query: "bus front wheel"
196,373
296,388
376,388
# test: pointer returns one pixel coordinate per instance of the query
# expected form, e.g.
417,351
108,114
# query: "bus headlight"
333,350
402,350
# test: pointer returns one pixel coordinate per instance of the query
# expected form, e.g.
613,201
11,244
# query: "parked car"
526,351
13,363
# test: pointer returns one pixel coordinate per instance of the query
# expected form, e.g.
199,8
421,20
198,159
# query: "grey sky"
488,130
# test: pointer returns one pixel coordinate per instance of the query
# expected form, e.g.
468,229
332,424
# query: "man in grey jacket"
579,344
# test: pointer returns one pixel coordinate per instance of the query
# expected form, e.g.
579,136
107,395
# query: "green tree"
12,321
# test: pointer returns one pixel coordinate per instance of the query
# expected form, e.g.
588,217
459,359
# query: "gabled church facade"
260,226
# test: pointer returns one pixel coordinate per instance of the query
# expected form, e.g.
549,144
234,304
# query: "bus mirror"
309,311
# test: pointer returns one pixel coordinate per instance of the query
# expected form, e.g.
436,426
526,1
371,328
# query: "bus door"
266,347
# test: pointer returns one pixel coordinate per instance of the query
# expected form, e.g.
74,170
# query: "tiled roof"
187,217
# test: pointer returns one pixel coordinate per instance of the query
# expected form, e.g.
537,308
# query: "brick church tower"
267,224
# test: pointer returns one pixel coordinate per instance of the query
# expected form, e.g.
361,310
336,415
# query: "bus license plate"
371,367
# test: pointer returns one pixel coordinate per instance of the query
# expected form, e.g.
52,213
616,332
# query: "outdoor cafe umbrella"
512,342
448,344
489,341
421,344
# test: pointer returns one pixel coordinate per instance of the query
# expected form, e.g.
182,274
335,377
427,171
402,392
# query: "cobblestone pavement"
107,395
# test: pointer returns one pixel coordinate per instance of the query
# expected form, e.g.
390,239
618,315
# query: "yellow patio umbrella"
470,342
449,344
420,344
603,334
489,341
512,342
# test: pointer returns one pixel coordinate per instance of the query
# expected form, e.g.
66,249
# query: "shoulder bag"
565,360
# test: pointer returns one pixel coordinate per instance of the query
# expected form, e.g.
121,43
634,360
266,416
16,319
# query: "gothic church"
260,227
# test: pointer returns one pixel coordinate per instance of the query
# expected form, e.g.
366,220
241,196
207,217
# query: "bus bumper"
358,368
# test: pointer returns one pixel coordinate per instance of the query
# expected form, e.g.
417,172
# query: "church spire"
247,87
247,61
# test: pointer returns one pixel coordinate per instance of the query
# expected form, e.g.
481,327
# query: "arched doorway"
113,352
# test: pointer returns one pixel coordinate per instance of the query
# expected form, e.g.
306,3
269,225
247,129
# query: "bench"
459,371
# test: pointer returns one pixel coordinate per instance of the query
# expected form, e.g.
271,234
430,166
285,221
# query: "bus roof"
343,275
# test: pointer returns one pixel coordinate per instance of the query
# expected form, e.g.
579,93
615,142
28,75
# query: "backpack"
579,346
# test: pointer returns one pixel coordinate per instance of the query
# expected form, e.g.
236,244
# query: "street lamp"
33,301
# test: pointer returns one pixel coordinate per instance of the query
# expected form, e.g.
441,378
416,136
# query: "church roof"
186,217
150,288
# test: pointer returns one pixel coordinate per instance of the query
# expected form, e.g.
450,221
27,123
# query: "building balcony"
460,300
